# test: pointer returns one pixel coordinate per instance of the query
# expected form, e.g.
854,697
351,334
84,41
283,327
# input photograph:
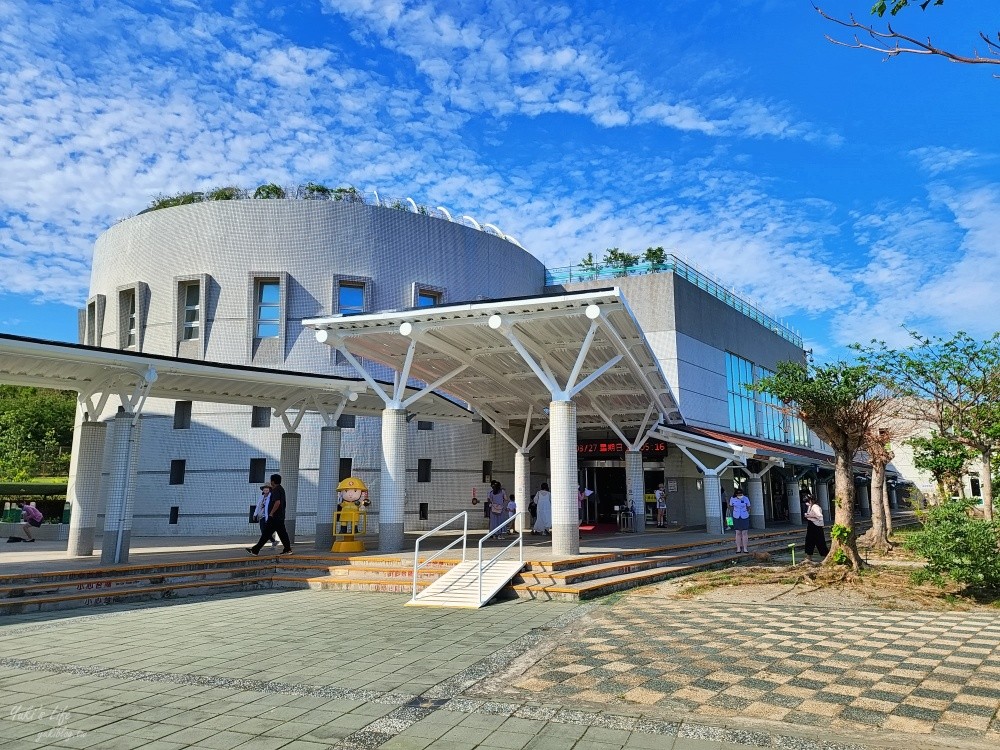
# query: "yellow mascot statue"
350,520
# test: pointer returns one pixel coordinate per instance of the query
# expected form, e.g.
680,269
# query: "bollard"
792,548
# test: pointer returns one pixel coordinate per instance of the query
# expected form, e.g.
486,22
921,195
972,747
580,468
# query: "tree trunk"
844,514
877,537
888,512
986,483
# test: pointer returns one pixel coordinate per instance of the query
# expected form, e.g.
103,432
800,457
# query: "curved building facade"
231,281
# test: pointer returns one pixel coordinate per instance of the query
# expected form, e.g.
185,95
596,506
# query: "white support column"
522,487
794,502
562,460
635,488
893,500
84,488
755,491
326,488
121,490
291,444
713,502
823,497
392,487
864,503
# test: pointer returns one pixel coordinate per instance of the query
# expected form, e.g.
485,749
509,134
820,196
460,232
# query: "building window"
268,323
346,468
191,295
423,470
91,323
260,416
975,486
258,470
128,318
424,426
799,431
426,298
346,421
487,472
182,415
739,384
177,471
487,428
350,298
772,415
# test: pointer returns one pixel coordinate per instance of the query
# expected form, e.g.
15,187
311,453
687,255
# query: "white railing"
490,563
417,565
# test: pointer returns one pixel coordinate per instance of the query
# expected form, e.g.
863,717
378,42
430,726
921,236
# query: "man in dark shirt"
275,519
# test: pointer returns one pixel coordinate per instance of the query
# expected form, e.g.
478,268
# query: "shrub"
228,193
349,194
957,547
270,190
313,190
169,201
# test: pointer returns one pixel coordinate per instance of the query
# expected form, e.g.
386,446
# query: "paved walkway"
303,670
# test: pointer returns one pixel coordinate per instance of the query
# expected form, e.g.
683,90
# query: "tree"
952,384
620,259
878,445
892,43
840,403
34,424
945,459
591,265
656,257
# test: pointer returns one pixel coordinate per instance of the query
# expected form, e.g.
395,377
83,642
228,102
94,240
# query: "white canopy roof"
509,353
93,370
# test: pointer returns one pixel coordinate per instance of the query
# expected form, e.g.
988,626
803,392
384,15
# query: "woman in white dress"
543,521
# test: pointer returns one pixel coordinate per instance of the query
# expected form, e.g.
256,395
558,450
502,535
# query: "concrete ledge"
47,532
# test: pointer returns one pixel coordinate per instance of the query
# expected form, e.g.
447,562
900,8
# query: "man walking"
275,519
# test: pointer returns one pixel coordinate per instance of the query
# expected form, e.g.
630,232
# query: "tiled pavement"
308,670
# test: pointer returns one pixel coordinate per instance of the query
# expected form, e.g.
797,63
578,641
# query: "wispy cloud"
938,159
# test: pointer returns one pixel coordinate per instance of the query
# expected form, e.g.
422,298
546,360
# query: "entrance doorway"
607,480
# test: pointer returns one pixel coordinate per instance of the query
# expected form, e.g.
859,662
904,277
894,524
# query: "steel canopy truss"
97,373
507,357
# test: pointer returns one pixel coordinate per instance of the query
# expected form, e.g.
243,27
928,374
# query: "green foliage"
894,6
349,194
840,533
619,259
957,546
399,205
840,557
36,432
169,201
228,193
314,190
591,265
944,457
268,191
655,256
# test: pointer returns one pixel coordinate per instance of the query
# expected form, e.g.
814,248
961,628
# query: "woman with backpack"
496,500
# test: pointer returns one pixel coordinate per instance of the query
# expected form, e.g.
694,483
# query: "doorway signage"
616,449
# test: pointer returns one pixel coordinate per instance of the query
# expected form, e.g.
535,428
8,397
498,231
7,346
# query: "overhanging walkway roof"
502,356
93,370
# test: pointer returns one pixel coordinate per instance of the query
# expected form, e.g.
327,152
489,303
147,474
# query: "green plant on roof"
228,193
620,260
591,266
169,201
399,205
656,257
269,190
349,194
314,190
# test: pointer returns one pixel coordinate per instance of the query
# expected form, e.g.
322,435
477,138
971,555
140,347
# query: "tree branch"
892,44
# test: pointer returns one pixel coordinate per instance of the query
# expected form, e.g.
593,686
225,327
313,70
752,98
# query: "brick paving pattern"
914,672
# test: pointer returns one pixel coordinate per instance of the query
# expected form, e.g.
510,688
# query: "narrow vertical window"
128,317
268,324
739,384
182,415
260,416
346,421
346,468
258,468
423,470
192,310
177,467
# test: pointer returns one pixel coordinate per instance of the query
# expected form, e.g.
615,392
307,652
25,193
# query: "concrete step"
338,583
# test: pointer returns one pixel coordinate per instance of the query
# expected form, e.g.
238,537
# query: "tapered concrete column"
522,488
326,486
392,488
635,488
755,491
794,502
562,462
713,503
823,497
291,447
84,488
864,503
121,490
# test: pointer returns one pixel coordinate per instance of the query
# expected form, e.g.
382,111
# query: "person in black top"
275,519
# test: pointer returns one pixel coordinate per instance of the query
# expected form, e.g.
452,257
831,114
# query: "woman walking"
496,500
739,508
815,536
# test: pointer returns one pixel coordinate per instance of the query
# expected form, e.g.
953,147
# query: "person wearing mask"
275,519
260,512
739,506
815,535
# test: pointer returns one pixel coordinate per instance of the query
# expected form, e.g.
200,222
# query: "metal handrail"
464,515
519,541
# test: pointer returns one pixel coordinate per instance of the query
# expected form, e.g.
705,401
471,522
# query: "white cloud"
937,159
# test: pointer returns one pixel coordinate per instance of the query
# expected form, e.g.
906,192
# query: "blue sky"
842,193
